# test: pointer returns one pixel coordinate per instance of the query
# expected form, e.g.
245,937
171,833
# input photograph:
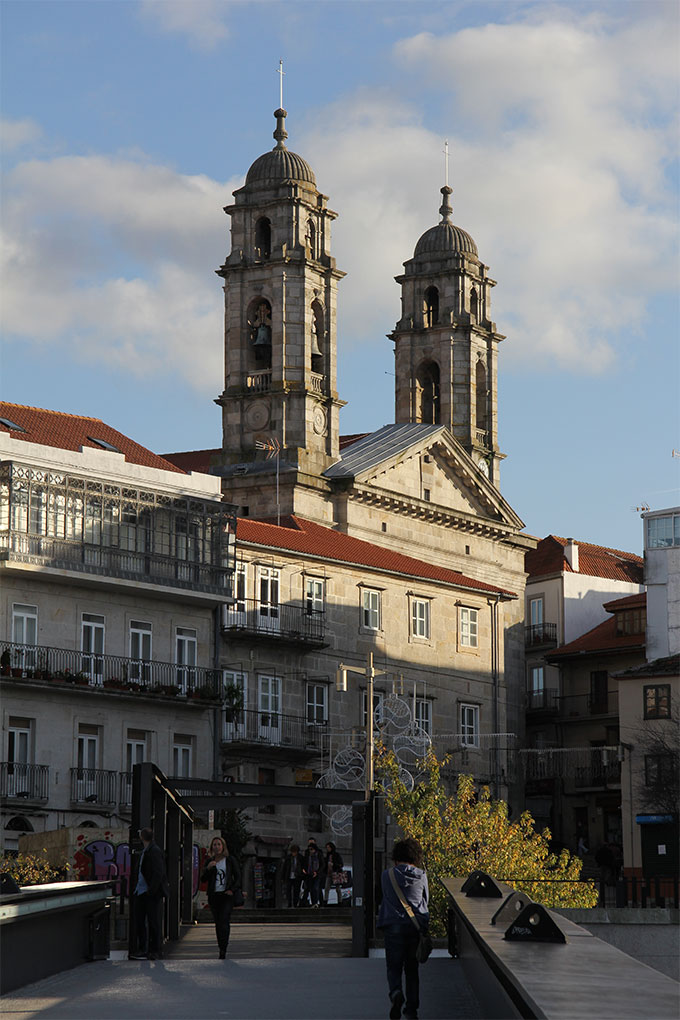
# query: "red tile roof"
594,561
295,534
636,601
71,431
193,460
355,437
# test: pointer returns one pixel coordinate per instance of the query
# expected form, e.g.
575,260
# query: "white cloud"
201,21
560,134
14,134
113,260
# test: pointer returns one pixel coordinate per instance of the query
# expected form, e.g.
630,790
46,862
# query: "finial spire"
446,208
280,73
446,160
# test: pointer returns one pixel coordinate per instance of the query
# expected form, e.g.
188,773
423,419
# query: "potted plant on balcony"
204,693
113,683
233,702
5,662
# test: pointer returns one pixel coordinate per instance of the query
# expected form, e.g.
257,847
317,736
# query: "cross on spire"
280,73
446,162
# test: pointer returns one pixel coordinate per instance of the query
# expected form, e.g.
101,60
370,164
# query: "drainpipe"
217,711
494,675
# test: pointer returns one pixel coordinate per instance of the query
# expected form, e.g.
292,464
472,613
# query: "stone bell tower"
446,344
280,289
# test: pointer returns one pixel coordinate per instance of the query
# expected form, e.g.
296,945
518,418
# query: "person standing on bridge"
313,872
401,936
223,876
333,874
152,886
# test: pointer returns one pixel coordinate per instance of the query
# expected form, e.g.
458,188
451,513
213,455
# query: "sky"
127,125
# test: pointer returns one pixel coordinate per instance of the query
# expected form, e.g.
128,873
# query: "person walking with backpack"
223,876
404,919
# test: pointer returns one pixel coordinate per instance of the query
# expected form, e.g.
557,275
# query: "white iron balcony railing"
283,622
252,726
40,662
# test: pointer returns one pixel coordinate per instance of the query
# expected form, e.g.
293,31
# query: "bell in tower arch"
317,336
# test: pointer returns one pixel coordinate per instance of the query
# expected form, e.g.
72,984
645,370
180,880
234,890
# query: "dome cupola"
445,237
280,164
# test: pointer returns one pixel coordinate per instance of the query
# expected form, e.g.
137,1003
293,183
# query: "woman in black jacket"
333,869
223,876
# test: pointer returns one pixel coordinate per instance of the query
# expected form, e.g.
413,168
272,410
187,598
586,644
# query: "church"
396,542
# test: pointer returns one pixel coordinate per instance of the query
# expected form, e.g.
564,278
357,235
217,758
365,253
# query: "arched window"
19,824
431,307
260,329
482,397
263,237
317,345
427,393
311,237
474,305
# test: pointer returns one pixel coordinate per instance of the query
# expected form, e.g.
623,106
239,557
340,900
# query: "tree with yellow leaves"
471,830
30,869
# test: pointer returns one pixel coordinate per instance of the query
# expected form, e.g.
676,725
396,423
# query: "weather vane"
280,73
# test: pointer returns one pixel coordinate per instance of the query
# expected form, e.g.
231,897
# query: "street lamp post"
341,685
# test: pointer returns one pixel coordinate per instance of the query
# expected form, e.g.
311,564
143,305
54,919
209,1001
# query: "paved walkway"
253,983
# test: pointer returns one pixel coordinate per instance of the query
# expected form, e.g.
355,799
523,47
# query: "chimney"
571,554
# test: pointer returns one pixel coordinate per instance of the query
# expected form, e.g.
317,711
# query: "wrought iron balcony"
272,729
599,775
109,562
111,672
94,786
286,624
540,634
23,782
584,706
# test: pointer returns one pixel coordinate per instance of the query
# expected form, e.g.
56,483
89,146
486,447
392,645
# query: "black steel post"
359,940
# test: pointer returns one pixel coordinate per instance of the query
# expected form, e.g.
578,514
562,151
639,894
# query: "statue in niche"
261,333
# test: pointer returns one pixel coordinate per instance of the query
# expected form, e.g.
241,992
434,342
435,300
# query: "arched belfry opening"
481,418
260,334
317,338
311,237
474,305
427,393
263,237
431,307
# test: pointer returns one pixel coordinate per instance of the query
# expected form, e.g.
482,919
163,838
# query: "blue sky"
127,125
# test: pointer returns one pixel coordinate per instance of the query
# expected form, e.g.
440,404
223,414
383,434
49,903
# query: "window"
314,595
469,725
663,532
185,657
468,627
135,748
19,755
431,307
235,703
599,680
92,646
182,756
317,703
269,708
24,632
377,700
370,608
631,621
87,764
657,701
268,608
140,650
536,687
263,237
660,770
536,612
424,715
237,612
420,618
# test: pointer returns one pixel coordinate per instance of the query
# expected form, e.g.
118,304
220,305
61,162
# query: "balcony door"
24,633
140,651
235,716
18,758
185,654
92,645
268,607
86,764
269,708
536,618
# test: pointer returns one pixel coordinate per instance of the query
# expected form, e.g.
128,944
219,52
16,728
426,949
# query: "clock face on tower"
483,466
257,416
319,421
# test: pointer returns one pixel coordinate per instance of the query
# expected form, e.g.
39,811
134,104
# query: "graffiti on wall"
103,860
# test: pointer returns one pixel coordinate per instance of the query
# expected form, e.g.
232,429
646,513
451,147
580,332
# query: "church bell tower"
445,343
280,289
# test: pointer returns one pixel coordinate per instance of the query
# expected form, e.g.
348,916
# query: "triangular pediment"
423,463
